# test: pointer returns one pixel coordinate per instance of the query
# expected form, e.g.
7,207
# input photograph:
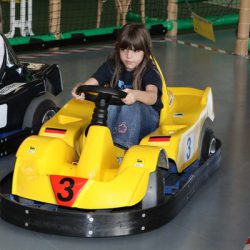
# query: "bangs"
132,43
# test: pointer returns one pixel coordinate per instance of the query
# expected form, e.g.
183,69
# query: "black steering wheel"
103,97
96,93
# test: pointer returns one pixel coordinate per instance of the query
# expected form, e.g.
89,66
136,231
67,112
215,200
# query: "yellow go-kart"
72,180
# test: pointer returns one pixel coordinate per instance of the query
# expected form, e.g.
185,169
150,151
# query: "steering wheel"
96,93
103,97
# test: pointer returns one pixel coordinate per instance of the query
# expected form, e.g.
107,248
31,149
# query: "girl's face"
131,58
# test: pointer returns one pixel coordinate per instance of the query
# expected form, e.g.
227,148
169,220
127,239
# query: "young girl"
130,68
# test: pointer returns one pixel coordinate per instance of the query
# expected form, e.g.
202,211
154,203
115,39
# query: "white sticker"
139,163
171,99
31,150
8,89
35,66
3,115
189,147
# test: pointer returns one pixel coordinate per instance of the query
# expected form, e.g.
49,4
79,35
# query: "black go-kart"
28,97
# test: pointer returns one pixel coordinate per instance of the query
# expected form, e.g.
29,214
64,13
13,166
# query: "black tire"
44,111
208,146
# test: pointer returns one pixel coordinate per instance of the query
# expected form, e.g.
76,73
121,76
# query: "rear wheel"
208,145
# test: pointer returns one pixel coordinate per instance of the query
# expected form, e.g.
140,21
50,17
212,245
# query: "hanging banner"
203,27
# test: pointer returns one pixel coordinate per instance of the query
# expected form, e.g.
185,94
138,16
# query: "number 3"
189,147
68,189
188,153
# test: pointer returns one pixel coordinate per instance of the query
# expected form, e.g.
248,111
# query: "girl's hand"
131,96
148,96
80,97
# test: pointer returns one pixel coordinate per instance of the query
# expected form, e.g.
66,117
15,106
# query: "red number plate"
66,188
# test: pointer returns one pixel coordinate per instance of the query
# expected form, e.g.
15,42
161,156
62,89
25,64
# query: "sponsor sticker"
55,131
139,163
32,150
12,87
159,138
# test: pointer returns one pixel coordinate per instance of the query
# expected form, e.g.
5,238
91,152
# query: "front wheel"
45,110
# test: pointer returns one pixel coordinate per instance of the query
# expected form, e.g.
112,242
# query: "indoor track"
218,215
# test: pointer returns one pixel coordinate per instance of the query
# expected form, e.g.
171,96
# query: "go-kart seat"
164,97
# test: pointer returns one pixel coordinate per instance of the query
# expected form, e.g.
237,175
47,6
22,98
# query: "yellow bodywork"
184,120
109,184
49,166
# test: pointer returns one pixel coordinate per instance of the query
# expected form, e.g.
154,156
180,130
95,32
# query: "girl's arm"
90,81
148,97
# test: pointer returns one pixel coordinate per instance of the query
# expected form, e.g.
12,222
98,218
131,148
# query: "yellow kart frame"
71,165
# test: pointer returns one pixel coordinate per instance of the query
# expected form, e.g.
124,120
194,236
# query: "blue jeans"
130,123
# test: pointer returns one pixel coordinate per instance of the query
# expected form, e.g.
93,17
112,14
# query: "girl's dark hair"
132,36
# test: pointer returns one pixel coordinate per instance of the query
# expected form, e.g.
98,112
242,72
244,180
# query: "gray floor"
217,217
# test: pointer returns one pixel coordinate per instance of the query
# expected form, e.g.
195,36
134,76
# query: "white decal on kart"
35,66
14,86
3,115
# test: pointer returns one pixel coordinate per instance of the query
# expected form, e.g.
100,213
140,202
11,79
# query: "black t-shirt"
104,76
